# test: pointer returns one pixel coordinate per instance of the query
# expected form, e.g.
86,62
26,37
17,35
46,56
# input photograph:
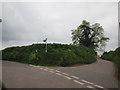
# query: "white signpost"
46,44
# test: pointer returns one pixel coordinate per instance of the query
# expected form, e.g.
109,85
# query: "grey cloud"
32,22
119,24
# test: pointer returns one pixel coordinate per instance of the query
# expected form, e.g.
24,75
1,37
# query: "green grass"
57,55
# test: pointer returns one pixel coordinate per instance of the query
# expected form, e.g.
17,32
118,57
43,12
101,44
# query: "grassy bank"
113,56
57,55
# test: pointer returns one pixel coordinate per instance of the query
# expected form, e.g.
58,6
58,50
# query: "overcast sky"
119,24
28,23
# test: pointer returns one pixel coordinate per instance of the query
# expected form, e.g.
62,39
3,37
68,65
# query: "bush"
108,55
113,56
57,55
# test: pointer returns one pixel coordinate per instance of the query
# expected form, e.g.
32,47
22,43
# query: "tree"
89,35
0,20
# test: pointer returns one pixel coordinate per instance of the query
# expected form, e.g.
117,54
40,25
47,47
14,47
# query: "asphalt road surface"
97,75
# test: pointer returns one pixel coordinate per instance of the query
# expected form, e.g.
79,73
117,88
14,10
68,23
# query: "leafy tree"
0,20
89,35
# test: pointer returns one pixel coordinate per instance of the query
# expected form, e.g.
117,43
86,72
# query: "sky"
25,23
119,24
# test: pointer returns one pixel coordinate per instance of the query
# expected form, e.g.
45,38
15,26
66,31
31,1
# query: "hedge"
57,55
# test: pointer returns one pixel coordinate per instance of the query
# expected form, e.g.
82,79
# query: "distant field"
57,55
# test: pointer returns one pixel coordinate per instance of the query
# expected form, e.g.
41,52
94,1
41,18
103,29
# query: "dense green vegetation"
113,56
57,55
0,20
89,35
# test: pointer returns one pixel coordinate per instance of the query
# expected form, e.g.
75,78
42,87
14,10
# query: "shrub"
113,56
57,55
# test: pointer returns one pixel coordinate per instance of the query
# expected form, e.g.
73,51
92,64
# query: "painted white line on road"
58,74
31,65
87,82
67,77
41,68
75,77
51,71
65,73
78,82
90,87
98,86
46,69
34,66
57,71
92,84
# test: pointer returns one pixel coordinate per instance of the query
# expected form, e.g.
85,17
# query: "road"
97,75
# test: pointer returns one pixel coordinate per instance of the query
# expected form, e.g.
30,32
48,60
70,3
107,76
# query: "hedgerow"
57,55
113,56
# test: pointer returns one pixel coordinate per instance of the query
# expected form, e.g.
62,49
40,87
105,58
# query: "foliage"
57,55
89,35
0,20
108,55
113,56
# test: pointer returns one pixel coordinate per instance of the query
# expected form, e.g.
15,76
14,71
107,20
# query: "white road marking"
87,82
67,77
75,77
78,82
46,69
41,68
59,74
51,71
98,86
35,66
57,71
92,84
90,87
65,73
31,65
